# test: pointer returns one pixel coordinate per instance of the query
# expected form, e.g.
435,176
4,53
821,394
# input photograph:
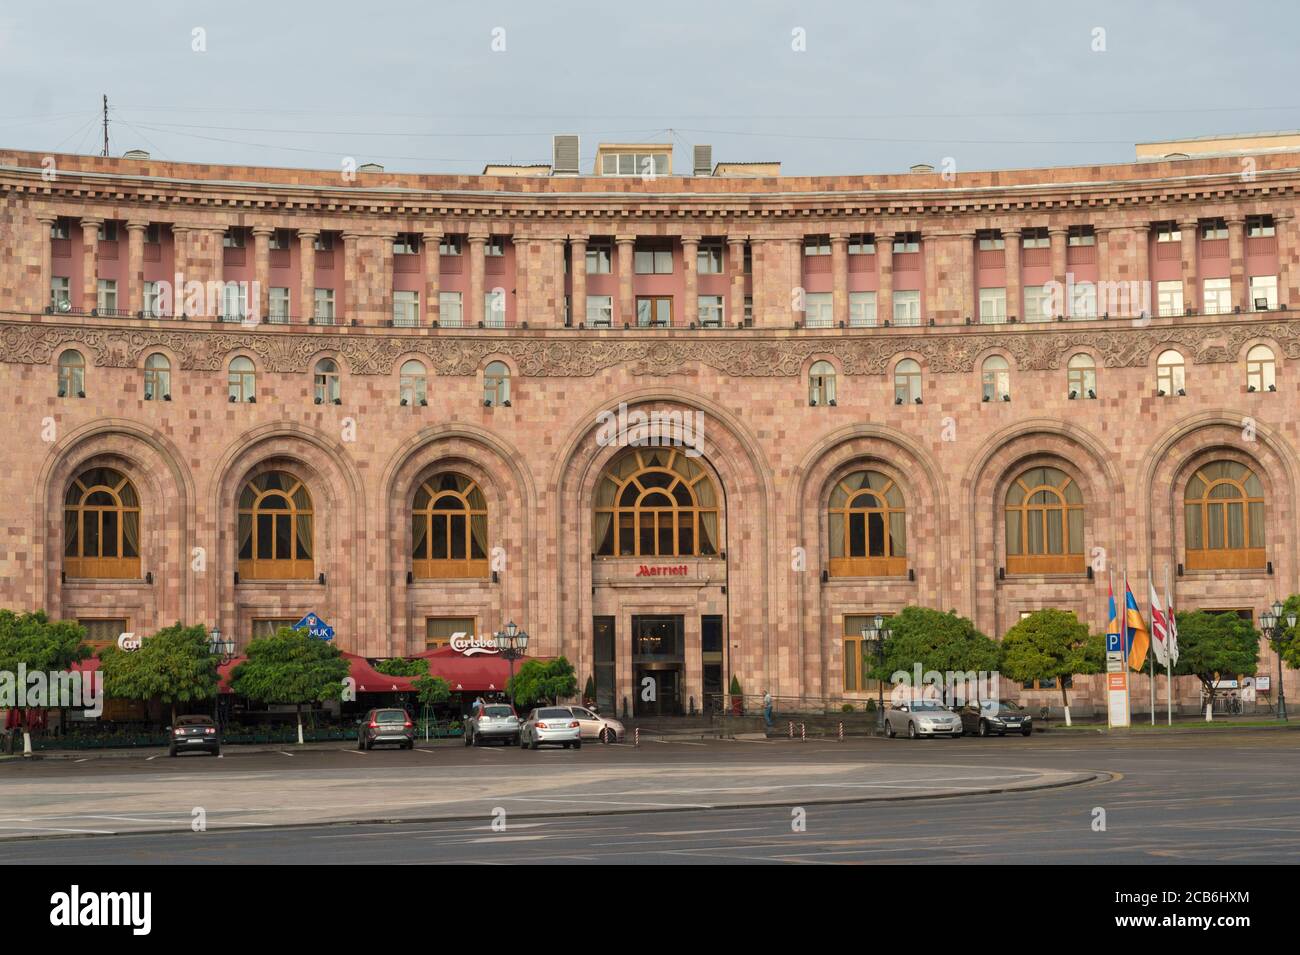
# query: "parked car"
550,725
194,734
492,722
1001,717
919,718
386,726
591,725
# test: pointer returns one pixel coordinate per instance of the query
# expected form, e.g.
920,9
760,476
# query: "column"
626,304
736,272
384,307
558,245
348,305
180,265
1058,236
260,299
970,276
135,230
431,243
1142,275
306,273
45,225
1011,260
578,276
1285,249
690,272
1191,280
90,262
477,243
1237,263
885,283
1105,288
840,279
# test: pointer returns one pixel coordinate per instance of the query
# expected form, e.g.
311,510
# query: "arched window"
1261,369
414,386
157,378
995,379
821,383
275,529
496,384
1081,376
449,530
907,382
1044,513
242,380
1170,374
866,527
656,502
72,374
101,526
329,389
1223,512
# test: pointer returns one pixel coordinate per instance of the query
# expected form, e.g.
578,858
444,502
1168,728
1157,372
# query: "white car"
919,718
551,726
594,726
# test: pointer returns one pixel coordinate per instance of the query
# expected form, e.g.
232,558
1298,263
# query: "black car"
1000,718
386,726
194,734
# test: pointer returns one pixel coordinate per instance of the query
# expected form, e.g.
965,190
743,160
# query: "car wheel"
958,735
566,745
984,728
217,751
1025,732
911,730
577,744
171,751
889,729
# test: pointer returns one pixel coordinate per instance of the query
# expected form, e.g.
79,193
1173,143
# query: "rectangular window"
862,309
450,312
993,306
819,310
324,310
1035,239
153,234
1258,227
103,633
862,244
438,631
600,311
450,245
710,257
406,243
1081,235
653,259
990,240
1263,293
1214,229
654,311
234,298
907,307
1037,304
108,231
600,254
1169,298
406,309
494,308
152,296
59,229
106,300
817,245
1168,232
264,627
279,306
233,239
281,240
711,311
859,652
60,293
907,242
323,242
634,164
1216,296
1085,301
494,247
749,309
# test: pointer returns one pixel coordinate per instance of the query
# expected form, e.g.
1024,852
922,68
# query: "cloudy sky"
446,85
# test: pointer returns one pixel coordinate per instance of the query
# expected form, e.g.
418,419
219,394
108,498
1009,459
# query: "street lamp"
513,644
225,649
1272,621
876,636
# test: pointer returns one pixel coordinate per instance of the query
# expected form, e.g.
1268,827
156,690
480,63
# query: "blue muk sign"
315,627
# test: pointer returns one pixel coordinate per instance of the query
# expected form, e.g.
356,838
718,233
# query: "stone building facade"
395,420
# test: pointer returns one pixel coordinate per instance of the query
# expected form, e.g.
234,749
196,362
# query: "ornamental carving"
748,354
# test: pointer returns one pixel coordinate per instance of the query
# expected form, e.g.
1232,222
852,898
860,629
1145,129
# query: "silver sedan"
919,718
594,726
552,726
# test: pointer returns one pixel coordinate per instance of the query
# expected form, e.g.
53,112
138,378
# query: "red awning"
370,680
479,673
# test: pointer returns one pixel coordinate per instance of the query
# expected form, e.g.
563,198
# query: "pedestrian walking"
767,707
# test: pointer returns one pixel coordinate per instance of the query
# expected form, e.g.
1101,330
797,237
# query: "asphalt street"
1220,796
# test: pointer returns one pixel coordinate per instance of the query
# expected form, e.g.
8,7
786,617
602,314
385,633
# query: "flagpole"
1169,657
1124,646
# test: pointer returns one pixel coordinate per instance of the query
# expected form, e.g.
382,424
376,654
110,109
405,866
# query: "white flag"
1159,627
1172,631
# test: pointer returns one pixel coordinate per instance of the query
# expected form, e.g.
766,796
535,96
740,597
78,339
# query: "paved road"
1229,797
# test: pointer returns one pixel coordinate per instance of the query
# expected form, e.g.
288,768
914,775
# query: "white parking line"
283,753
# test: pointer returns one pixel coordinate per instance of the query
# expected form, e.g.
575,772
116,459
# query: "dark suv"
386,726
194,734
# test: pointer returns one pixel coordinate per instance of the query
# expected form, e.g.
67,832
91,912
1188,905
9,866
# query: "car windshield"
928,706
1010,706
498,711
390,716
553,714
194,721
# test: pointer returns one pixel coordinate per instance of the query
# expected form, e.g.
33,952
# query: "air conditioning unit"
703,163
565,155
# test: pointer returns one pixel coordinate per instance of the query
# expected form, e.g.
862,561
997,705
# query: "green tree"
542,681
431,689
936,641
174,665
1213,644
1286,644
291,667
397,666
39,645
589,691
1052,645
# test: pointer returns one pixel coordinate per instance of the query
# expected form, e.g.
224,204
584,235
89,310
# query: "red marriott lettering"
678,570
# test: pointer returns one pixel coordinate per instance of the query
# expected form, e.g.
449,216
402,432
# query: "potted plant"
737,697
589,692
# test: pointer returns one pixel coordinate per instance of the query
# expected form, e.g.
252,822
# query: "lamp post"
513,644
876,636
224,651
1272,622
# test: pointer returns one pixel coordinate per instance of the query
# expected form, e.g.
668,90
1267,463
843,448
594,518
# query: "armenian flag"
1112,620
1138,641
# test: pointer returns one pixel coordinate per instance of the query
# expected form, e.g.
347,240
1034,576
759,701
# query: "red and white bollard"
841,731
792,729
803,732
636,736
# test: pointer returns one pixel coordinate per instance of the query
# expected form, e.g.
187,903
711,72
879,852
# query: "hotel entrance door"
658,662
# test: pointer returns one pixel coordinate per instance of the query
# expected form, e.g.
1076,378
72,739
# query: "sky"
852,86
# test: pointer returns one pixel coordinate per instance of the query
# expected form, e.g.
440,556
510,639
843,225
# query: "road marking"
508,839
700,832
678,742
92,832
283,753
359,752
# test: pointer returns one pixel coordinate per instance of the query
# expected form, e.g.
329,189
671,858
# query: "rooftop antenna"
105,153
